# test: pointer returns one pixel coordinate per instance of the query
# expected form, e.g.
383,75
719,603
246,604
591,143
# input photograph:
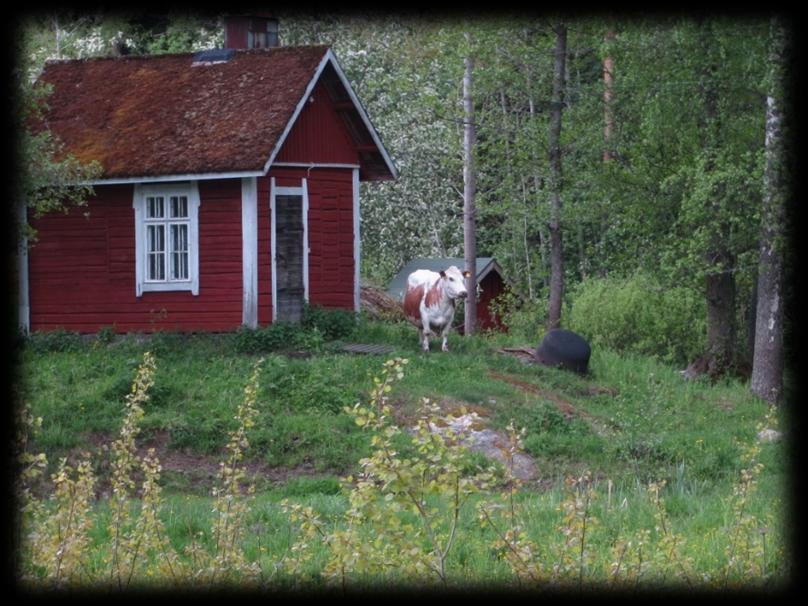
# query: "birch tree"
767,364
556,244
469,192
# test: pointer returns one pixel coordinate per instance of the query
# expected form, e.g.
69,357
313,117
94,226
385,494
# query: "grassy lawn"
632,420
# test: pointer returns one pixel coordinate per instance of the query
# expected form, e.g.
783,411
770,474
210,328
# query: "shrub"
333,324
523,317
280,336
430,487
58,340
638,314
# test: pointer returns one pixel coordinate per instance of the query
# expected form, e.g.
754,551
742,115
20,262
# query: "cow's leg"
424,333
425,341
444,334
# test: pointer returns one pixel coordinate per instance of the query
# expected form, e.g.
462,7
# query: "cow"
429,302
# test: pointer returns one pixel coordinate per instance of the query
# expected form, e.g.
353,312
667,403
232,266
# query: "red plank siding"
492,286
331,228
318,135
82,270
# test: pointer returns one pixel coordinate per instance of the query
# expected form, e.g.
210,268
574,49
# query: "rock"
562,348
472,433
769,435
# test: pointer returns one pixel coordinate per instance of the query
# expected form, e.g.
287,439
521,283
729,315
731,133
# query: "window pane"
179,206
179,266
156,267
155,238
154,207
179,249
179,237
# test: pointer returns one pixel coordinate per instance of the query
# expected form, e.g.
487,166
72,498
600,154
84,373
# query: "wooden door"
289,258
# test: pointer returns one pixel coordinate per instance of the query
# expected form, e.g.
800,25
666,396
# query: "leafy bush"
301,386
333,324
523,317
280,336
640,315
55,341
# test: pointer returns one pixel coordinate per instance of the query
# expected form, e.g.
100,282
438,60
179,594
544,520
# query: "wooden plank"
363,348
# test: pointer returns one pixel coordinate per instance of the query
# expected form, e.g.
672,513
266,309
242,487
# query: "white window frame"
166,190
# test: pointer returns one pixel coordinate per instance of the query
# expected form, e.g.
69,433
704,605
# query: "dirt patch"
525,354
725,404
202,468
597,390
565,407
195,471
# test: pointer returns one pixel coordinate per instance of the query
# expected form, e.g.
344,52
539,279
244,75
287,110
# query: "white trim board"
249,251
302,191
357,242
311,165
23,301
174,178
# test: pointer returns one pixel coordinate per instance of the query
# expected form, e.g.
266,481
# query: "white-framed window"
167,237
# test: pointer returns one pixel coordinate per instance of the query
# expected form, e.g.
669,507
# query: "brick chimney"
250,31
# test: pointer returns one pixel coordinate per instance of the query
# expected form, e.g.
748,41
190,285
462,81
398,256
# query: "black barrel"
562,348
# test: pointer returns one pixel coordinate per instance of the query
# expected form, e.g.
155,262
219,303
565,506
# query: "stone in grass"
769,435
562,348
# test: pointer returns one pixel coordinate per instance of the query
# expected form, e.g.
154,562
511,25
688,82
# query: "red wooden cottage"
229,194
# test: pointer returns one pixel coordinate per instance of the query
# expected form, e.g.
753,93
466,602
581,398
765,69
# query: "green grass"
635,420
694,513
642,420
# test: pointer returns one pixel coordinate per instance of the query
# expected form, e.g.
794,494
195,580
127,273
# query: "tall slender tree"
767,364
608,96
469,192
556,244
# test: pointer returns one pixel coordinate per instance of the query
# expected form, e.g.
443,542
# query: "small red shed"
229,194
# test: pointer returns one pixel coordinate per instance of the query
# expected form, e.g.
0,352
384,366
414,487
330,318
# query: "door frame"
302,191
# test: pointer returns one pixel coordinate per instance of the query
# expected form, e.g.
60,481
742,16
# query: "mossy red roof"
162,115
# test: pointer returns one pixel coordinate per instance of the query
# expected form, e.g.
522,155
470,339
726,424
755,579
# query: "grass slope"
630,421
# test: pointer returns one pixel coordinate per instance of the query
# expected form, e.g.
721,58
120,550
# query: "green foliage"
525,318
298,386
48,179
638,314
430,487
280,336
59,340
333,324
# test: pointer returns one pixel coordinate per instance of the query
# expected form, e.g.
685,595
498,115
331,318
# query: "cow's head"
455,282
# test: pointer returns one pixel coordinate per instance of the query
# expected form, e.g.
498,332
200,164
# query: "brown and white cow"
429,302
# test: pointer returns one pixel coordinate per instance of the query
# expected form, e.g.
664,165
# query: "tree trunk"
608,97
767,361
720,293
469,191
556,244
720,278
